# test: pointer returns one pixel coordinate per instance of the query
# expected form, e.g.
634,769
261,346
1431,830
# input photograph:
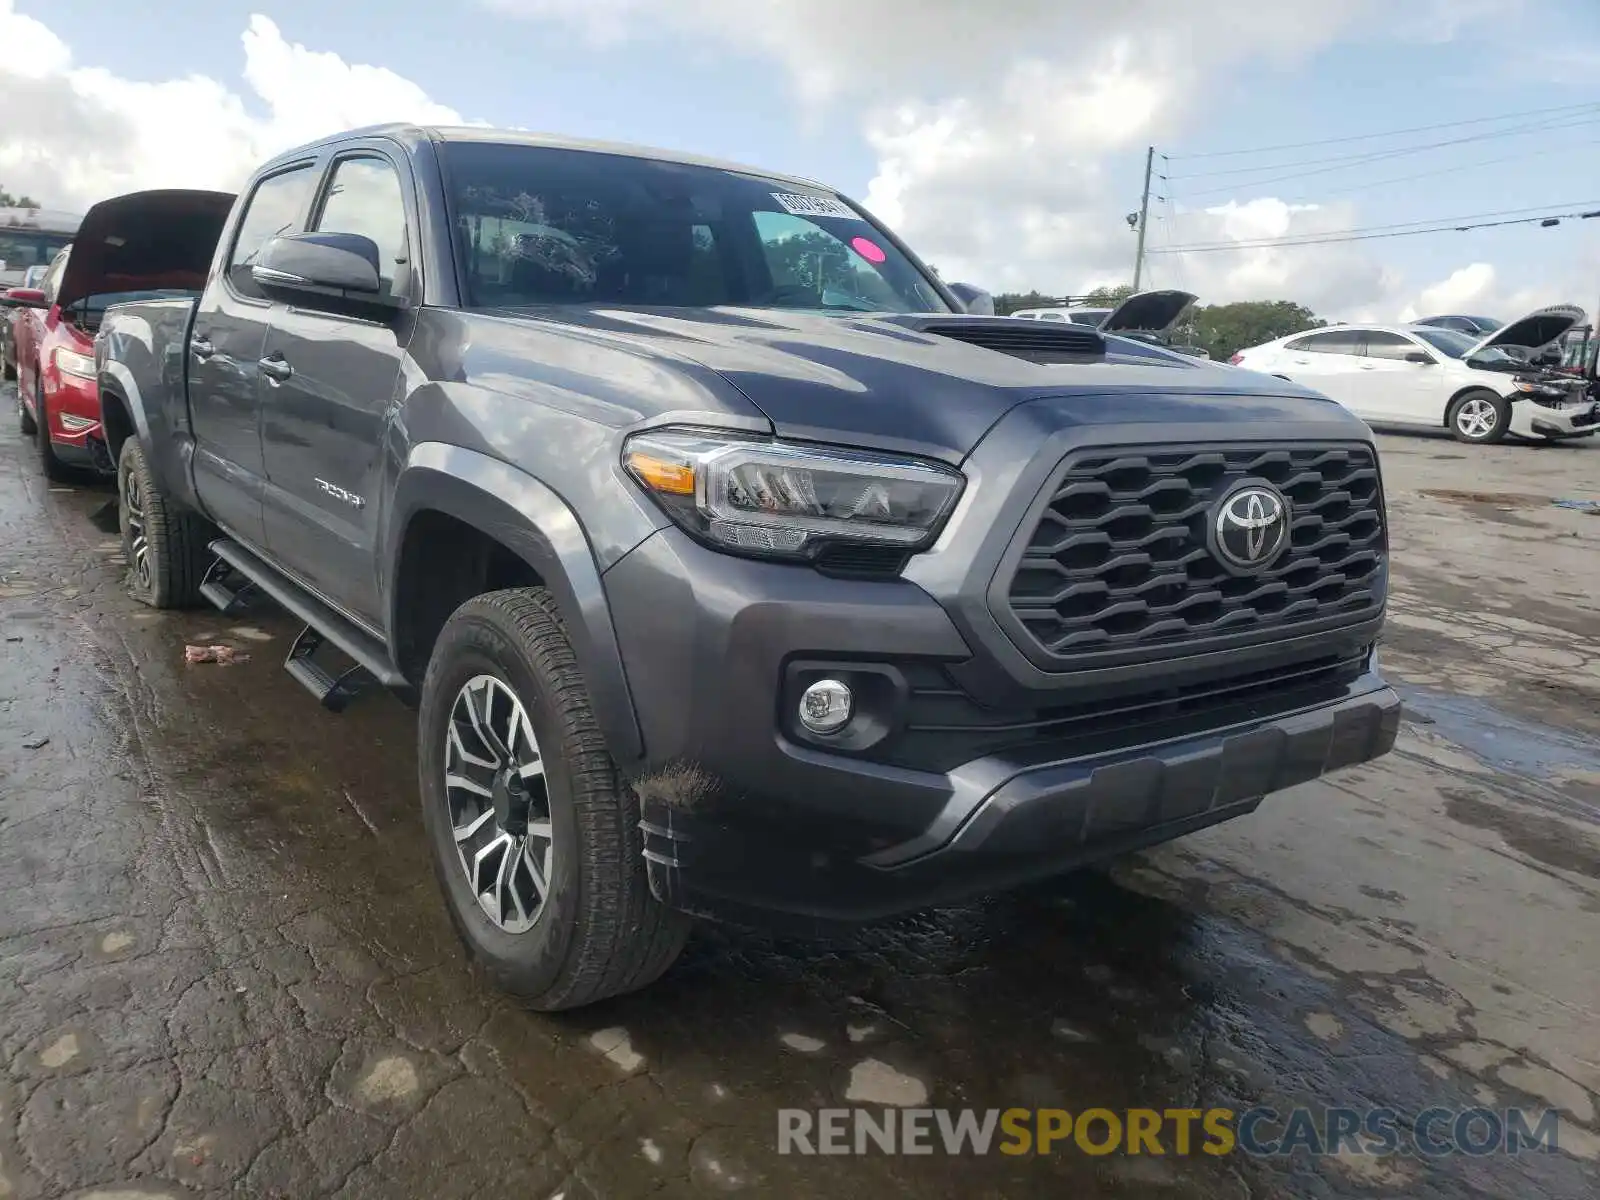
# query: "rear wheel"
534,833
54,469
164,545
1479,416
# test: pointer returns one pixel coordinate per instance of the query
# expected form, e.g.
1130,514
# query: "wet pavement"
224,968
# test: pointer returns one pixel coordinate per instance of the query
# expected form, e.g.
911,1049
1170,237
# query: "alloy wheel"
133,519
498,803
1476,418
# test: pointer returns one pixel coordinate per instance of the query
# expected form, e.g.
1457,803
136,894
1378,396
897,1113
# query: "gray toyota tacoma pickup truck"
736,564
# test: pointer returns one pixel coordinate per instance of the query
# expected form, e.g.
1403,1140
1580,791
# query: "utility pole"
1144,215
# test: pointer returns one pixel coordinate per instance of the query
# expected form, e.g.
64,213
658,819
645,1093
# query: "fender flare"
537,525
117,380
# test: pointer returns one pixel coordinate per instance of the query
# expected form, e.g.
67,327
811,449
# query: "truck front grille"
1119,559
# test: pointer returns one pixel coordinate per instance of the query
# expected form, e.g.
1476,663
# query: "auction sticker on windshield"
815,206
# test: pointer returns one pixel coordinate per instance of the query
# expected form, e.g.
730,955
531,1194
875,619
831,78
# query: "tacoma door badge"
338,493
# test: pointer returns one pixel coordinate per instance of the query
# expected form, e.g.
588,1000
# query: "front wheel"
25,421
164,545
54,469
1479,416
534,833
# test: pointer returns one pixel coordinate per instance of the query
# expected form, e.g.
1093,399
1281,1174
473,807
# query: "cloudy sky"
1005,140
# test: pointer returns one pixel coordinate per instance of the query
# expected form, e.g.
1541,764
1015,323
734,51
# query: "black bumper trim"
1003,827
1086,799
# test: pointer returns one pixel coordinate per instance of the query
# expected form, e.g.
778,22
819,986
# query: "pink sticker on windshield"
868,250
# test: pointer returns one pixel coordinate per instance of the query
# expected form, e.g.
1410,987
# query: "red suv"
58,400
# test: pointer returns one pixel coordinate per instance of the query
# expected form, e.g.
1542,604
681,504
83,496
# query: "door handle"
201,348
1368,367
276,369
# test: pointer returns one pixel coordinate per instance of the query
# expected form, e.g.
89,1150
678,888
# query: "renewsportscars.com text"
1259,1132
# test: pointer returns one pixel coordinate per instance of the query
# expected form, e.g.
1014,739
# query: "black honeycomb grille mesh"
1119,558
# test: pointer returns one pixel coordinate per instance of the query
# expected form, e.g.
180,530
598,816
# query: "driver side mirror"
23,297
326,267
1421,358
973,299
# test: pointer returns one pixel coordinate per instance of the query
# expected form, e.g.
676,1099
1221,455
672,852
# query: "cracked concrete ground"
224,969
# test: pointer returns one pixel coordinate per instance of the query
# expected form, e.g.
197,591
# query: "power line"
1362,137
1290,243
1430,174
1373,156
1450,222
1395,153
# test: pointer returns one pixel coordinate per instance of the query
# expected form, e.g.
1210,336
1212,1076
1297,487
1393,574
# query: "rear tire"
55,470
164,545
596,930
1479,416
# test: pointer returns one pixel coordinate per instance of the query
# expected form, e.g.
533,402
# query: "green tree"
1007,303
1108,297
7,200
1225,329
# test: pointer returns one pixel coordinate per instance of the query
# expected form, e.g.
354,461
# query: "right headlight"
786,500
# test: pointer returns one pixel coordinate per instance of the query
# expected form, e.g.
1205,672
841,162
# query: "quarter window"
273,208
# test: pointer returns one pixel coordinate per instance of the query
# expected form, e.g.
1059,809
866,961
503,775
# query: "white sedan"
1421,375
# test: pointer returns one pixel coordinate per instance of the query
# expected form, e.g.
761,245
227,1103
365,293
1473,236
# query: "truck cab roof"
409,135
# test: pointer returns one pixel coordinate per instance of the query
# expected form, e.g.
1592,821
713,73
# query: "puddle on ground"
1499,739
1512,499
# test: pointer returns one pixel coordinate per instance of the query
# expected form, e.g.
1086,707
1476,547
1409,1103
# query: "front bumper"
1574,419
75,427
742,816
1042,821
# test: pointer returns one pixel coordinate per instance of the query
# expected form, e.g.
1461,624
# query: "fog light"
825,706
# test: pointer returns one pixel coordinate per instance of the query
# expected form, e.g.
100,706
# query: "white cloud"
994,128
1002,146
77,134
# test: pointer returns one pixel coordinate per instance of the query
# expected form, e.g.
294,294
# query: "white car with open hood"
1423,375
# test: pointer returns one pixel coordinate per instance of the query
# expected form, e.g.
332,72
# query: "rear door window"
275,207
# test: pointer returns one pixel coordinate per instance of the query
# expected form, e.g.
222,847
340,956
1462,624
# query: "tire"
55,470
1479,416
164,545
596,931
25,421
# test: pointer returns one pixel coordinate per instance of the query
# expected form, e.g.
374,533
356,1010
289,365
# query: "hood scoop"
1039,343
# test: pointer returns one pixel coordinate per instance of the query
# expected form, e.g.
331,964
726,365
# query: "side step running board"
332,691
323,624
226,588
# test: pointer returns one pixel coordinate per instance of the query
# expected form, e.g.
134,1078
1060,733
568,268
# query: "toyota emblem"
1251,527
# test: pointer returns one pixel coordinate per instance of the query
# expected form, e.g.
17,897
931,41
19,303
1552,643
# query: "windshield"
24,248
537,225
1456,344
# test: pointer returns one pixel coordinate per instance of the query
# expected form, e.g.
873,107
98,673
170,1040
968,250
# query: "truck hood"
144,240
1148,312
1534,331
921,383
